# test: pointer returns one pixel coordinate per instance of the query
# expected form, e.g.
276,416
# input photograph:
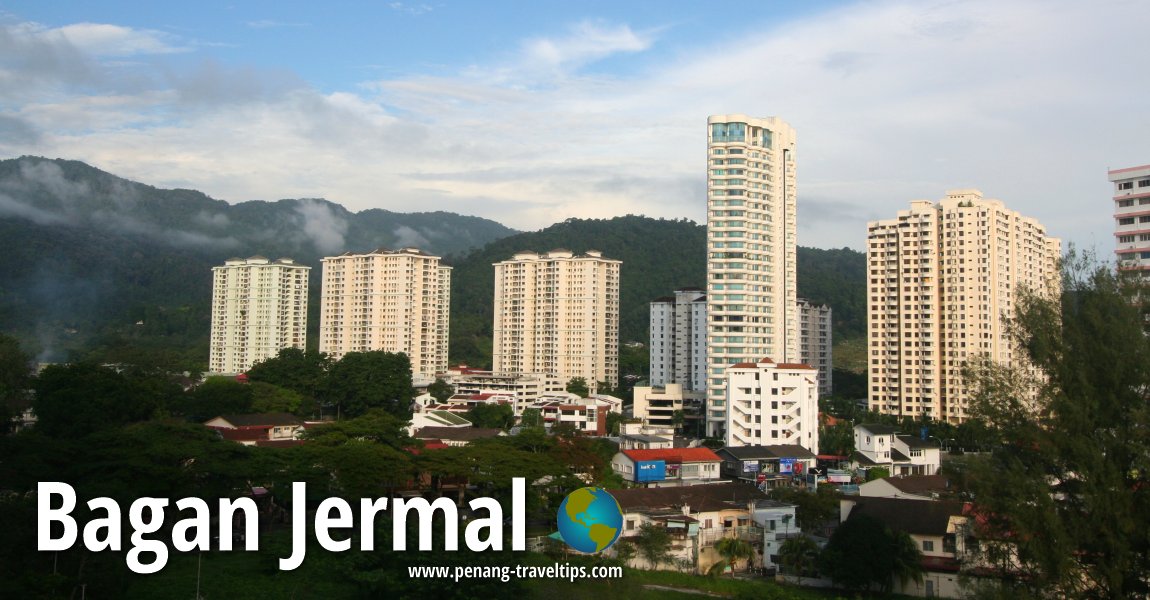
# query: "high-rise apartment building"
815,341
1132,216
391,300
942,281
751,301
259,307
771,404
558,312
679,340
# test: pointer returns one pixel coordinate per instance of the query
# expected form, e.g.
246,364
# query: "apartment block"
751,303
1132,216
678,345
259,307
558,312
943,278
656,406
815,342
770,404
390,300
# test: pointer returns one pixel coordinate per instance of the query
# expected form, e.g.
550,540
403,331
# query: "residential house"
258,429
913,487
667,467
940,530
882,446
697,517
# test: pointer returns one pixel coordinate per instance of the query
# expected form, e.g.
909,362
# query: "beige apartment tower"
751,303
942,280
259,307
558,312
391,300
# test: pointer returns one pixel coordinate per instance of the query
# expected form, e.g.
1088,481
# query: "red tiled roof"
674,455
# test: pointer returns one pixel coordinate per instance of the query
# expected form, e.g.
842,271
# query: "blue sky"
533,112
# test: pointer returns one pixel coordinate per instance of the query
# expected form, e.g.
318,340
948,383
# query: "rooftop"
700,498
766,452
674,455
922,517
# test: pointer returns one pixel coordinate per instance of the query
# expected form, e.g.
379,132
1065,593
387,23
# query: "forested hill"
96,266
658,256
99,267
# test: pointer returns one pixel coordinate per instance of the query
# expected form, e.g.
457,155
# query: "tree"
874,473
732,549
1064,498
653,543
440,390
863,552
531,417
361,381
498,416
578,386
78,399
799,554
217,396
613,422
837,439
273,398
15,375
812,511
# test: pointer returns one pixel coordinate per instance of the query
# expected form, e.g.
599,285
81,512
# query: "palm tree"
798,554
732,549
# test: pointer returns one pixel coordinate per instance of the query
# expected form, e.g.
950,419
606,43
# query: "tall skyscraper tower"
391,300
678,347
751,303
1132,217
259,307
558,312
942,282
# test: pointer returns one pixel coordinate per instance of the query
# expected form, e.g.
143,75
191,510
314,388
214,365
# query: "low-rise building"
668,467
697,517
940,530
523,388
456,436
881,446
436,418
910,487
638,441
257,429
766,466
657,405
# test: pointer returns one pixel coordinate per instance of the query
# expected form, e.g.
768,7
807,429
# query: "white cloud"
1029,101
101,39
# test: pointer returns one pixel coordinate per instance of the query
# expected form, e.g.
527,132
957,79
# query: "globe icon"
590,519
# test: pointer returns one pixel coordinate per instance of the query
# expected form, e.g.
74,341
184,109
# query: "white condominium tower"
679,340
942,281
1132,217
391,300
750,249
558,313
259,307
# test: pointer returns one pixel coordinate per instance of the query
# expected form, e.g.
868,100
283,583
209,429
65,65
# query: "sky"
530,113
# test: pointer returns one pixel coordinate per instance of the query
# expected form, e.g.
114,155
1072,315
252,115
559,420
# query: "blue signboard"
650,470
786,466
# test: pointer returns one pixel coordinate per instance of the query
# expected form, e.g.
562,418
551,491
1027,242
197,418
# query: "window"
1125,239
928,545
1144,183
1126,185
630,525
1145,219
1126,221
1125,203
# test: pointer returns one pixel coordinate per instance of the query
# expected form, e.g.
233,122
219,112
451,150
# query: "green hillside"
100,267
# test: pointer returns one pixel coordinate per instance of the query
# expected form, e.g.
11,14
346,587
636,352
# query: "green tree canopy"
863,552
498,416
578,386
78,399
361,381
1064,498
